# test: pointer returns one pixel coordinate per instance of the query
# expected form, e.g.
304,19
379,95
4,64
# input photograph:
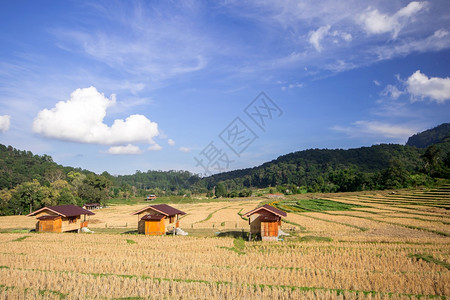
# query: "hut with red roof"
158,219
265,221
61,218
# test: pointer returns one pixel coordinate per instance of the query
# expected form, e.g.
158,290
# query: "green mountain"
328,170
429,137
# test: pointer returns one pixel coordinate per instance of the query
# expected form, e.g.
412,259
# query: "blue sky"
208,86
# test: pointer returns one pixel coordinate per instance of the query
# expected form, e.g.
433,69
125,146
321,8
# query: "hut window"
171,219
72,220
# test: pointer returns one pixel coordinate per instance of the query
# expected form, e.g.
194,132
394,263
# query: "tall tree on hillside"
220,190
431,159
28,194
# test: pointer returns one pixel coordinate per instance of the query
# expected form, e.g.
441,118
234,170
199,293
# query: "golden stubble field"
385,249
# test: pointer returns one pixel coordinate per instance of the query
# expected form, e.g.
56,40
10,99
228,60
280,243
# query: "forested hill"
18,166
424,157
326,170
429,137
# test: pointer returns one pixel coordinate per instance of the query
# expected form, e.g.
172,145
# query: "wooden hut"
158,219
265,222
61,218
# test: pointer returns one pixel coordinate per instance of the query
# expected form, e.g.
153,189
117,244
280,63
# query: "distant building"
151,197
265,222
158,219
275,196
91,206
61,218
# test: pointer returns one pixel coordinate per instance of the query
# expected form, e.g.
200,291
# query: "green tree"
220,190
27,195
94,189
396,176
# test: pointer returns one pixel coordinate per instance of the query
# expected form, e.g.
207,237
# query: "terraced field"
380,245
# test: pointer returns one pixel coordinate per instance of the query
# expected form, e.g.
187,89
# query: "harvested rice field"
341,246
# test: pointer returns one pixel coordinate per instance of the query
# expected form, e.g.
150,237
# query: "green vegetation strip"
211,214
238,246
217,283
311,238
42,293
240,215
130,242
430,259
21,238
324,205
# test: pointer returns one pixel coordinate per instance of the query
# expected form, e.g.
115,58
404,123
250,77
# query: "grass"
319,205
21,238
311,238
238,246
130,242
430,259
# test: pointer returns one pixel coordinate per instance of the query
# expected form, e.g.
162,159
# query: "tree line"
28,182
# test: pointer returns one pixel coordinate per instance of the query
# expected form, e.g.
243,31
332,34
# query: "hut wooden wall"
154,227
49,225
67,225
269,229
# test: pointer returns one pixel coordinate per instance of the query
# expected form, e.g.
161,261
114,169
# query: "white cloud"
155,147
436,42
392,91
376,128
291,86
80,119
128,149
184,149
171,142
316,37
375,22
421,86
376,82
5,122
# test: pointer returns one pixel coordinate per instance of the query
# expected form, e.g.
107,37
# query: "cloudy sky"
210,86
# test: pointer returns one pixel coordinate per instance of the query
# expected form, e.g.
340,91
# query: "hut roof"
163,209
268,208
64,210
153,217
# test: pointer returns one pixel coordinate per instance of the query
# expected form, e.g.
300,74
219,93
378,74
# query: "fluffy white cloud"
185,149
80,119
316,37
376,128
171,142
5,122
375,22
421,86
128,149
155,147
